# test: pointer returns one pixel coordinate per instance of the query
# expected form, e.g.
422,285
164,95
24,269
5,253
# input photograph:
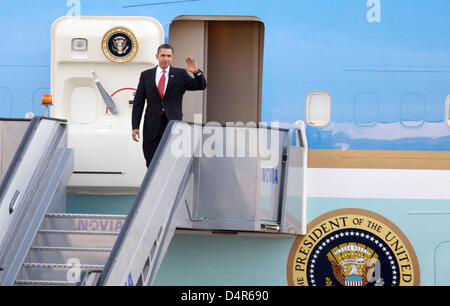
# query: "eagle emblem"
352,264
120,45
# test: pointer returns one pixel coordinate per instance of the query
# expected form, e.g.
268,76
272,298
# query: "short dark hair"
166,46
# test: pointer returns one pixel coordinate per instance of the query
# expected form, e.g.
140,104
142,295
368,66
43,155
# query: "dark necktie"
162,84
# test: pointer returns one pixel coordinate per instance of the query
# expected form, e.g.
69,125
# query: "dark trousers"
150,145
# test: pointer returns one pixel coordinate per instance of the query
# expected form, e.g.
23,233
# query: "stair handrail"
44,174
136,204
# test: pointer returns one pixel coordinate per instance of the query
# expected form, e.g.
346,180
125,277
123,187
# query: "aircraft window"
318,108
366,109
79,48
412,110
447,110
79,44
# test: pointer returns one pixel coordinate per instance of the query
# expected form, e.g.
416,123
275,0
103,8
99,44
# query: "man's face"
165,58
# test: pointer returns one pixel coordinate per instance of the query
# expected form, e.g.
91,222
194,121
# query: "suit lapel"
152,84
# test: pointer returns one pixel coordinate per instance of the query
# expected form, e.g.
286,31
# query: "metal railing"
41,165
171,180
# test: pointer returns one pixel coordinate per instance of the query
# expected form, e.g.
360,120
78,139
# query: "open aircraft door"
96,64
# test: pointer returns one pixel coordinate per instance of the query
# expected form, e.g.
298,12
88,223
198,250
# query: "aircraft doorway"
229,50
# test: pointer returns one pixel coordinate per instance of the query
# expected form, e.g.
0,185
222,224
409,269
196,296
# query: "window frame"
307,108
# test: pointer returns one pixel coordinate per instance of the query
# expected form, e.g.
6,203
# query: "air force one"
317,156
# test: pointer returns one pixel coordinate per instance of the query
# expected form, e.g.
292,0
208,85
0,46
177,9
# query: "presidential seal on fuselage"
119,45
352,247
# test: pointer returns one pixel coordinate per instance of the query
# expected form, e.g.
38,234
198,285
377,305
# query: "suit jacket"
179,81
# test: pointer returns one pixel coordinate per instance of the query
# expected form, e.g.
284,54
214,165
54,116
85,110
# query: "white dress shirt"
158,75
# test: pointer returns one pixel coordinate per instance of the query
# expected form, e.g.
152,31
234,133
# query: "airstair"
66,245
184,188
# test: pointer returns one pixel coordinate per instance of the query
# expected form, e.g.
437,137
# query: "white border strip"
379,183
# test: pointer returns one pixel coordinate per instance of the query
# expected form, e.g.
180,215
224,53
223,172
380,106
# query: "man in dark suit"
163,87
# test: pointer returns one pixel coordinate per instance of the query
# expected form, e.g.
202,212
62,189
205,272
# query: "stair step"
83,222
44,254
68,244
61,266
57,231
23,282
88,216
47,248
53,271
73,238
